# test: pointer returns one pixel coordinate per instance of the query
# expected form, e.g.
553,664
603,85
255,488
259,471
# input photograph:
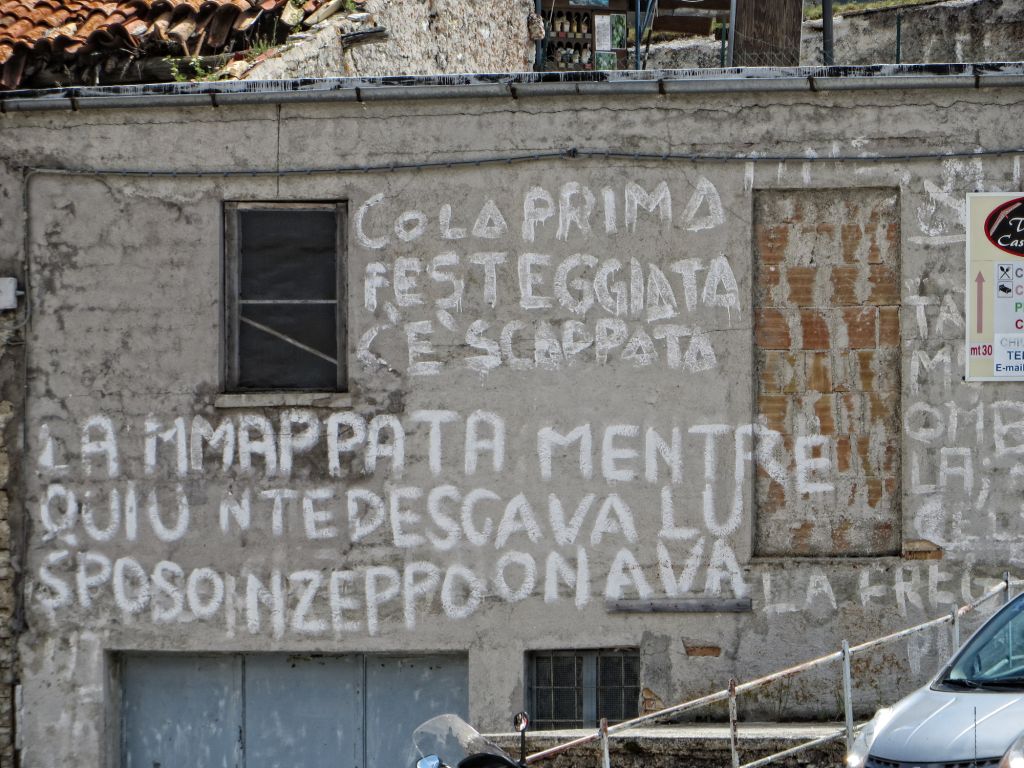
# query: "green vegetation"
190,70
259,46
264,39
814,11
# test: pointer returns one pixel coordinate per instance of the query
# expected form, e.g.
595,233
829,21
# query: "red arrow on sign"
980,302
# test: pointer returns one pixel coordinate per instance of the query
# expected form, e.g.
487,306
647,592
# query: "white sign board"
995,287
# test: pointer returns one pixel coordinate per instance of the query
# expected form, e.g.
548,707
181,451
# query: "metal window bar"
1002,588
576,689
558,683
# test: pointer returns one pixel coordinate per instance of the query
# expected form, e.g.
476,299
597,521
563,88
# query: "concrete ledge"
336,400
681,605
520,84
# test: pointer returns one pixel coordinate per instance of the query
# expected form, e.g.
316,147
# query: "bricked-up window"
827,360
575,689
285,296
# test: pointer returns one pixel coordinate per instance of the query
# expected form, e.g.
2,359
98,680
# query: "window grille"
575,689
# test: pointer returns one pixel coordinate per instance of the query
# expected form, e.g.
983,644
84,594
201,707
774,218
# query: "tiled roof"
58,33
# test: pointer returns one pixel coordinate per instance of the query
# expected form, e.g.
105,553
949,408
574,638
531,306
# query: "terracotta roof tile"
92,22
33,31
246,19
21,28
65,30
13,68
49,16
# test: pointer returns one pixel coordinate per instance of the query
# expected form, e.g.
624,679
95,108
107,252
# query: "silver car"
970,716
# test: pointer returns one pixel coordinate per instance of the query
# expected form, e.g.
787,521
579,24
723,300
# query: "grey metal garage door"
281,710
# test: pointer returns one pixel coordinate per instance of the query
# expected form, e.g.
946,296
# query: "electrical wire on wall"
572,153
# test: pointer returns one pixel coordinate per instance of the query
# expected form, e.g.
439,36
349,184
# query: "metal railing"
845,656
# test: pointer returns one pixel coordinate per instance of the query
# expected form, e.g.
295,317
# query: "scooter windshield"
451,739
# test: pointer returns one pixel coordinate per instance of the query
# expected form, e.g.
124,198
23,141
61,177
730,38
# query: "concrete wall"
621,299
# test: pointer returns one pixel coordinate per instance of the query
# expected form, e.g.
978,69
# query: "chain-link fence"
754,51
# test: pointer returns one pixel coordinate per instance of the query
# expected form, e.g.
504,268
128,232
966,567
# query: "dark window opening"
575,689
286,289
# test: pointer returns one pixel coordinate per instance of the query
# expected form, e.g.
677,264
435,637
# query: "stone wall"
449,37
694,746
424,37
954,31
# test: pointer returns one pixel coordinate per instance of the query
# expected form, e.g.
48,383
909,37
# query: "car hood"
938,727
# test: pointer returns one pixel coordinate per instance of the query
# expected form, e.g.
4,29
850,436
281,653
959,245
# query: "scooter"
447,741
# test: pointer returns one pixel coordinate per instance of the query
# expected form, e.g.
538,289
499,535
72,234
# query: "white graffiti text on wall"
480,293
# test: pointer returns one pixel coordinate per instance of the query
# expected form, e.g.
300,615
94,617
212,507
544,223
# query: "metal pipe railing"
845,655
848,693
795,750
734,734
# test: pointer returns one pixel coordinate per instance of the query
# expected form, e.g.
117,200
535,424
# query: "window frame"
232,266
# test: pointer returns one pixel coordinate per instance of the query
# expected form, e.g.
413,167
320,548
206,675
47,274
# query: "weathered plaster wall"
424,37
12,396
536,323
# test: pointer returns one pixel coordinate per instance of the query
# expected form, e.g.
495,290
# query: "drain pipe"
827,33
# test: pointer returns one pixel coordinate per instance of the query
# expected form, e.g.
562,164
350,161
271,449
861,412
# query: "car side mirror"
430,761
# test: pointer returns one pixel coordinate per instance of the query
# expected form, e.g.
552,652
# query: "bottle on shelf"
585,24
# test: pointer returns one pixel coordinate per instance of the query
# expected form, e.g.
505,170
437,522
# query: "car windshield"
994,658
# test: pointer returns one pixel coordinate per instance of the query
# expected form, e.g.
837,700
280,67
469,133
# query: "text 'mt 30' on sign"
995,287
